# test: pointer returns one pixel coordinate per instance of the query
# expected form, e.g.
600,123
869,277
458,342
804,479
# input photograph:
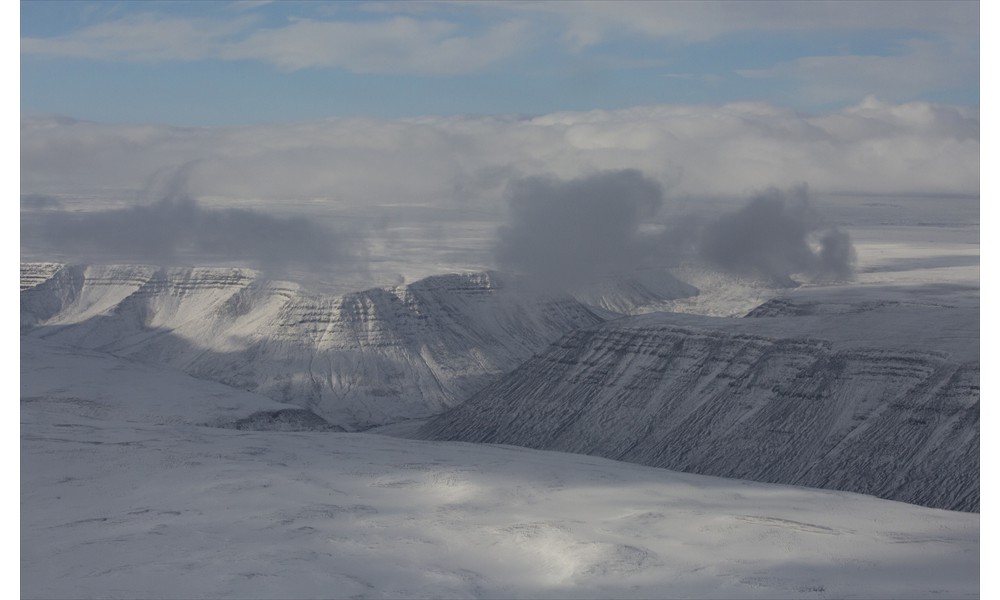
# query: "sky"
262,131
154,130
242,63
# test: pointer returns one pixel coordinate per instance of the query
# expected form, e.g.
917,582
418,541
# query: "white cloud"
434,40
397,45
918,66
141,38
244,5
591,22
698,150
582,24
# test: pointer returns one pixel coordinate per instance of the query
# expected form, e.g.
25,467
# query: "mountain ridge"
358,360
735,398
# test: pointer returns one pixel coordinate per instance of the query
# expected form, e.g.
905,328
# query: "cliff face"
358,360
832,400
877,394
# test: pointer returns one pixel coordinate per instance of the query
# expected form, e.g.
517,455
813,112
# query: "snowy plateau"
203,432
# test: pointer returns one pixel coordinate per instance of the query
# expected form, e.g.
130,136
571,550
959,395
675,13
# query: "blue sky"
238,63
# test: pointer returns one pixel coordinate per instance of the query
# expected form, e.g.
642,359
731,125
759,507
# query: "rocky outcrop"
760,399
358,360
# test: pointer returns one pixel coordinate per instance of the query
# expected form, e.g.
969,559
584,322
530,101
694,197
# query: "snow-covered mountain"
357,360
831,390
860,388
125,494
635,292
139,480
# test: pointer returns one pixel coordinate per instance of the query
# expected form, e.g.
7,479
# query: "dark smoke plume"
566,233
769,238
178,230
836,256
569,233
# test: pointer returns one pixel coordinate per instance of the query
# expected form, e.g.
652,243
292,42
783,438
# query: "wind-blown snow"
116,508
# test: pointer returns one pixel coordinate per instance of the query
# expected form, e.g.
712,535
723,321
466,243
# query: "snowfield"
140,481
117,508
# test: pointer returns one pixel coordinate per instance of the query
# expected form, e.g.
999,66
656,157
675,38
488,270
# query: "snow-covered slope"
120,498
852,394
635,292
60,380
357,360
719,294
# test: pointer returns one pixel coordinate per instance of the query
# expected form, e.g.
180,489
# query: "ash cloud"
770,237
566,233
570,233
177,230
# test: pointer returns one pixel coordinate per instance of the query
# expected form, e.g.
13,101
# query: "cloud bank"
464,166
729,150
